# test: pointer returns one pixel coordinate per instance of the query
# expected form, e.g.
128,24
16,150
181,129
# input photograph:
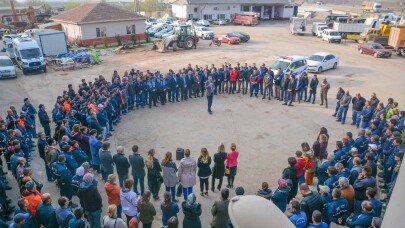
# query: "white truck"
350,31
28,55
317,27
50,41
298,25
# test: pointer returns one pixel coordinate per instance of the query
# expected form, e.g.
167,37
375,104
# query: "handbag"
227,171
179,190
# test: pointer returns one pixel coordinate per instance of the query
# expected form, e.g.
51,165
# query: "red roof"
96,12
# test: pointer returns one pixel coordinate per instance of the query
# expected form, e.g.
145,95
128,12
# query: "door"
328,64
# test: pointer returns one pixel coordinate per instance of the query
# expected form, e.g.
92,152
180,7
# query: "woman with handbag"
154,175
204,170
110,220
231,165
218,171
169,169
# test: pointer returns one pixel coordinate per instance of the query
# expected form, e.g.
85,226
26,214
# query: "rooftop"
96,12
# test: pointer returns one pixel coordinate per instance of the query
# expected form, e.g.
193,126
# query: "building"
89,23
223,9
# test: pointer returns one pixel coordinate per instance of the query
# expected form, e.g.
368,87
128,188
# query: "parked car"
161,32
224,38
244,37
219,22
375,49
167,34
296,64
322,61
177,23
203,23
332,36
150,21
204,32
7,68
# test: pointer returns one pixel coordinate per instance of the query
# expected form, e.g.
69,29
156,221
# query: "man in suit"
138,170
175,84
209,86
196,84
219,211
184,86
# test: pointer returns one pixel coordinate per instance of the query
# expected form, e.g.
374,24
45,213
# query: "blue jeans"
94,218
141,185
365,124
337,107
209,99
187,191
172,190
254,89
342,114
119,211
140,100
121,179
131,101
302,178
356,117
175,94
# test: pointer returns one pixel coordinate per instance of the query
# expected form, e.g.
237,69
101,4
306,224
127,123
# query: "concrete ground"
266,133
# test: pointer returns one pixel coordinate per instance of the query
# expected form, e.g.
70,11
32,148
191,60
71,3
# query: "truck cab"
296,64
28,55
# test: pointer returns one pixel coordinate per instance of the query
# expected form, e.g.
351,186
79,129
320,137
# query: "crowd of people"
79,149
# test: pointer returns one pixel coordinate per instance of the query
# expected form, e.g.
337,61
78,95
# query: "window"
101,32
190,16
215,8
221,16
245,8
229,7
195,10
207,17
131,29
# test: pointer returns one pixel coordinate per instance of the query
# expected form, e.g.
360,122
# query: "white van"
332,36
296,64
320,29
7,68
28,55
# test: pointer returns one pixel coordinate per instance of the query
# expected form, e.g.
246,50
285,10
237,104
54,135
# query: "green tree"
71,5
146,6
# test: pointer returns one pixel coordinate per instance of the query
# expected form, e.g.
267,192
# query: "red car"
375,49
224,38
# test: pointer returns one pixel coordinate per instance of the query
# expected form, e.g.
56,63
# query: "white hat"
354,149
373,146
100,106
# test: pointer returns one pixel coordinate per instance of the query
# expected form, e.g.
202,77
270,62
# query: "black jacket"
204,169
313,85
219,165
358,103
310,203
138,165
90,196
122,164
94,124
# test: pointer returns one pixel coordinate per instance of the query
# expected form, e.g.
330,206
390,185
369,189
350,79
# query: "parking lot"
265,132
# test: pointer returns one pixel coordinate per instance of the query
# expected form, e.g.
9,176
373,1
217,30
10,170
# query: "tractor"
184,37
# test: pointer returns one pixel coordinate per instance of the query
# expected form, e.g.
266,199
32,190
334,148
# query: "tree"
146,6
71,5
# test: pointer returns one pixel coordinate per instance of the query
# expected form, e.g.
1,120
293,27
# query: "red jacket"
233,75
300,166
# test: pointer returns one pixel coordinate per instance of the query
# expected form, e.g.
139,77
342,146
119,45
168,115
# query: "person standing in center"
231,165
204,170
209,87
169,169
218,170
187,173
325,86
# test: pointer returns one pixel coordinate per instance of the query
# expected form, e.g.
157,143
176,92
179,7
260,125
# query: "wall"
72,31
112,28
179,11
182,12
